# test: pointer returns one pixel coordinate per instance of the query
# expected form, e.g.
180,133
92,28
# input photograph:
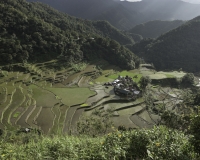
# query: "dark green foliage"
195,131
188,96
36,32
153,29
112,32
159,143
111,51
140,48
136,37
197,99
19,137
1,75
175,121
176,49
188,79
144,81
138,145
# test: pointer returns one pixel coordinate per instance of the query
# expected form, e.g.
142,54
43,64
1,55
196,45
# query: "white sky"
190,1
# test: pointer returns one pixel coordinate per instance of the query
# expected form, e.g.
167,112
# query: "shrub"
159,143
188,79
139,141
97,124
195,131
144,81
168,144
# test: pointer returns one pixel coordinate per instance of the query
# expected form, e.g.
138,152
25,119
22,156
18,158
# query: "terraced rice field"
54,101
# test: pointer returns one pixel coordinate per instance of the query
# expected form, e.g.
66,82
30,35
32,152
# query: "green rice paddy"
72,96
54,100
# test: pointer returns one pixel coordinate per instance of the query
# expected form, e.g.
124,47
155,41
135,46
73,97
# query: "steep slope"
179,48
154,29
119,16
163,9
108,10
124,14
36,32
85,9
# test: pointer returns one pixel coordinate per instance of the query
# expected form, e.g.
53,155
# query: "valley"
109,80
55,100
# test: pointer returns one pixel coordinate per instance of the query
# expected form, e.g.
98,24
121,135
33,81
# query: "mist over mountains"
124,14
24,38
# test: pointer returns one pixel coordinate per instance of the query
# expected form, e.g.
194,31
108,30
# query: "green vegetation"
133,74
84,105
154,29
188,79
33,32
194,129
78,67
95,111
175,50
158,143
144,81
51,109
43,97
72,96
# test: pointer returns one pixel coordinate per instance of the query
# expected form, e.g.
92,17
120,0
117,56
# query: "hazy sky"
191,1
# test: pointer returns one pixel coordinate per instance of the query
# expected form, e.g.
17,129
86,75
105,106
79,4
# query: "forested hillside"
108,10
179,48
124,14
154,29
36,32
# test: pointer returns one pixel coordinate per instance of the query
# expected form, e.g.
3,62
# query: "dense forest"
36,32
154,29
177,49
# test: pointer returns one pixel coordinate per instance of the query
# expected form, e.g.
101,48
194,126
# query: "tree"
188,79
144,81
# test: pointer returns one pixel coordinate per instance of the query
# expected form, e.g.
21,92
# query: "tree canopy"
36,32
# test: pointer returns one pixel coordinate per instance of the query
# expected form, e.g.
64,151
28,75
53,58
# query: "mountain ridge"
125,15
177,49
154,29
36,32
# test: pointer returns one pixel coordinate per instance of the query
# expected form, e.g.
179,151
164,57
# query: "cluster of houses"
125,86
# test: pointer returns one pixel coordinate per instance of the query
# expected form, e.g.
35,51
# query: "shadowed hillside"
163,9
176,49
154,29
115,13
125,15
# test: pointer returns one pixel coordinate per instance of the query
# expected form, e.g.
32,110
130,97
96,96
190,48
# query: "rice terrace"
52,98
